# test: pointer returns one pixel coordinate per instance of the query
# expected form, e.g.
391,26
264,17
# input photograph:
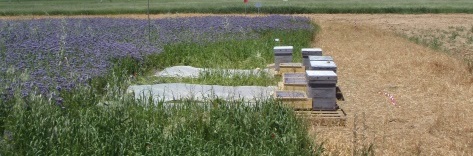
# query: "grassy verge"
95,7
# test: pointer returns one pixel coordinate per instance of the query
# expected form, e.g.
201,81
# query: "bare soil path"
433,91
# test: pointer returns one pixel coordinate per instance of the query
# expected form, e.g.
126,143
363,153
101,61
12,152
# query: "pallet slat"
324,118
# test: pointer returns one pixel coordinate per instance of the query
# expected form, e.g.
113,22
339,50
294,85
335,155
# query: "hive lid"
311,49
323,64
292,64
283,47
320,58
321,75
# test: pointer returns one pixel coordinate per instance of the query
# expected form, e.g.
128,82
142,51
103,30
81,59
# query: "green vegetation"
69,7
242,54
454,40
101,119
127,127
217,77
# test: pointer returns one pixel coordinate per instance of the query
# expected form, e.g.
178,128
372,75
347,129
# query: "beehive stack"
306,52
312,91
282,54
322,89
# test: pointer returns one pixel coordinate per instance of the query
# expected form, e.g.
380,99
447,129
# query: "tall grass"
216,77
233,54
124,126
114,123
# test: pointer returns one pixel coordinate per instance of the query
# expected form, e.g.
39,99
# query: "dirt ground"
450,33
433,90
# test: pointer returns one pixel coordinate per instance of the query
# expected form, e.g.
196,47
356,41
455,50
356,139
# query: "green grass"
103,120
241,54
70,7
217,77
127,127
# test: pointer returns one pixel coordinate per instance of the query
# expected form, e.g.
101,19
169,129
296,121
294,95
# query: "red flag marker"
245,1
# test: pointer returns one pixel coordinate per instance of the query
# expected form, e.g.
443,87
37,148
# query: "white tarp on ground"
176,91
192,72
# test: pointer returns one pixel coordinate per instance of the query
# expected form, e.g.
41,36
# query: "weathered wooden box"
295,99
295,83
291,68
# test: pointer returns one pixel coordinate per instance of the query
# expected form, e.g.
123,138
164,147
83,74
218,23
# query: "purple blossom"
59,54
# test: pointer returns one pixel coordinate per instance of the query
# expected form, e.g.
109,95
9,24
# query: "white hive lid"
320,58
283,47
322,64
321,75
311,49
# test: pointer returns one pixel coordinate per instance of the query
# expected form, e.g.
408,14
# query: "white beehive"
306,52
321,88
282,54
327,76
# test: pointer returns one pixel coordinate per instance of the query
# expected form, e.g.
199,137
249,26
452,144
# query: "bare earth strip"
433,90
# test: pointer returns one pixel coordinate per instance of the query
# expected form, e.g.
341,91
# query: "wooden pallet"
281,85
325,118
296,102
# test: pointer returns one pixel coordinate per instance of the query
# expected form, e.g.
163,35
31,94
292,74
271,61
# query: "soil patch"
432,90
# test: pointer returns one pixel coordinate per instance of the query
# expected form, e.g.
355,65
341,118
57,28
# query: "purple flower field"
58,54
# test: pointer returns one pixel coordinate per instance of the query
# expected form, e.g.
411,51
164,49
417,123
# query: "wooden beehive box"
291,68
294,81
295,84
295,99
